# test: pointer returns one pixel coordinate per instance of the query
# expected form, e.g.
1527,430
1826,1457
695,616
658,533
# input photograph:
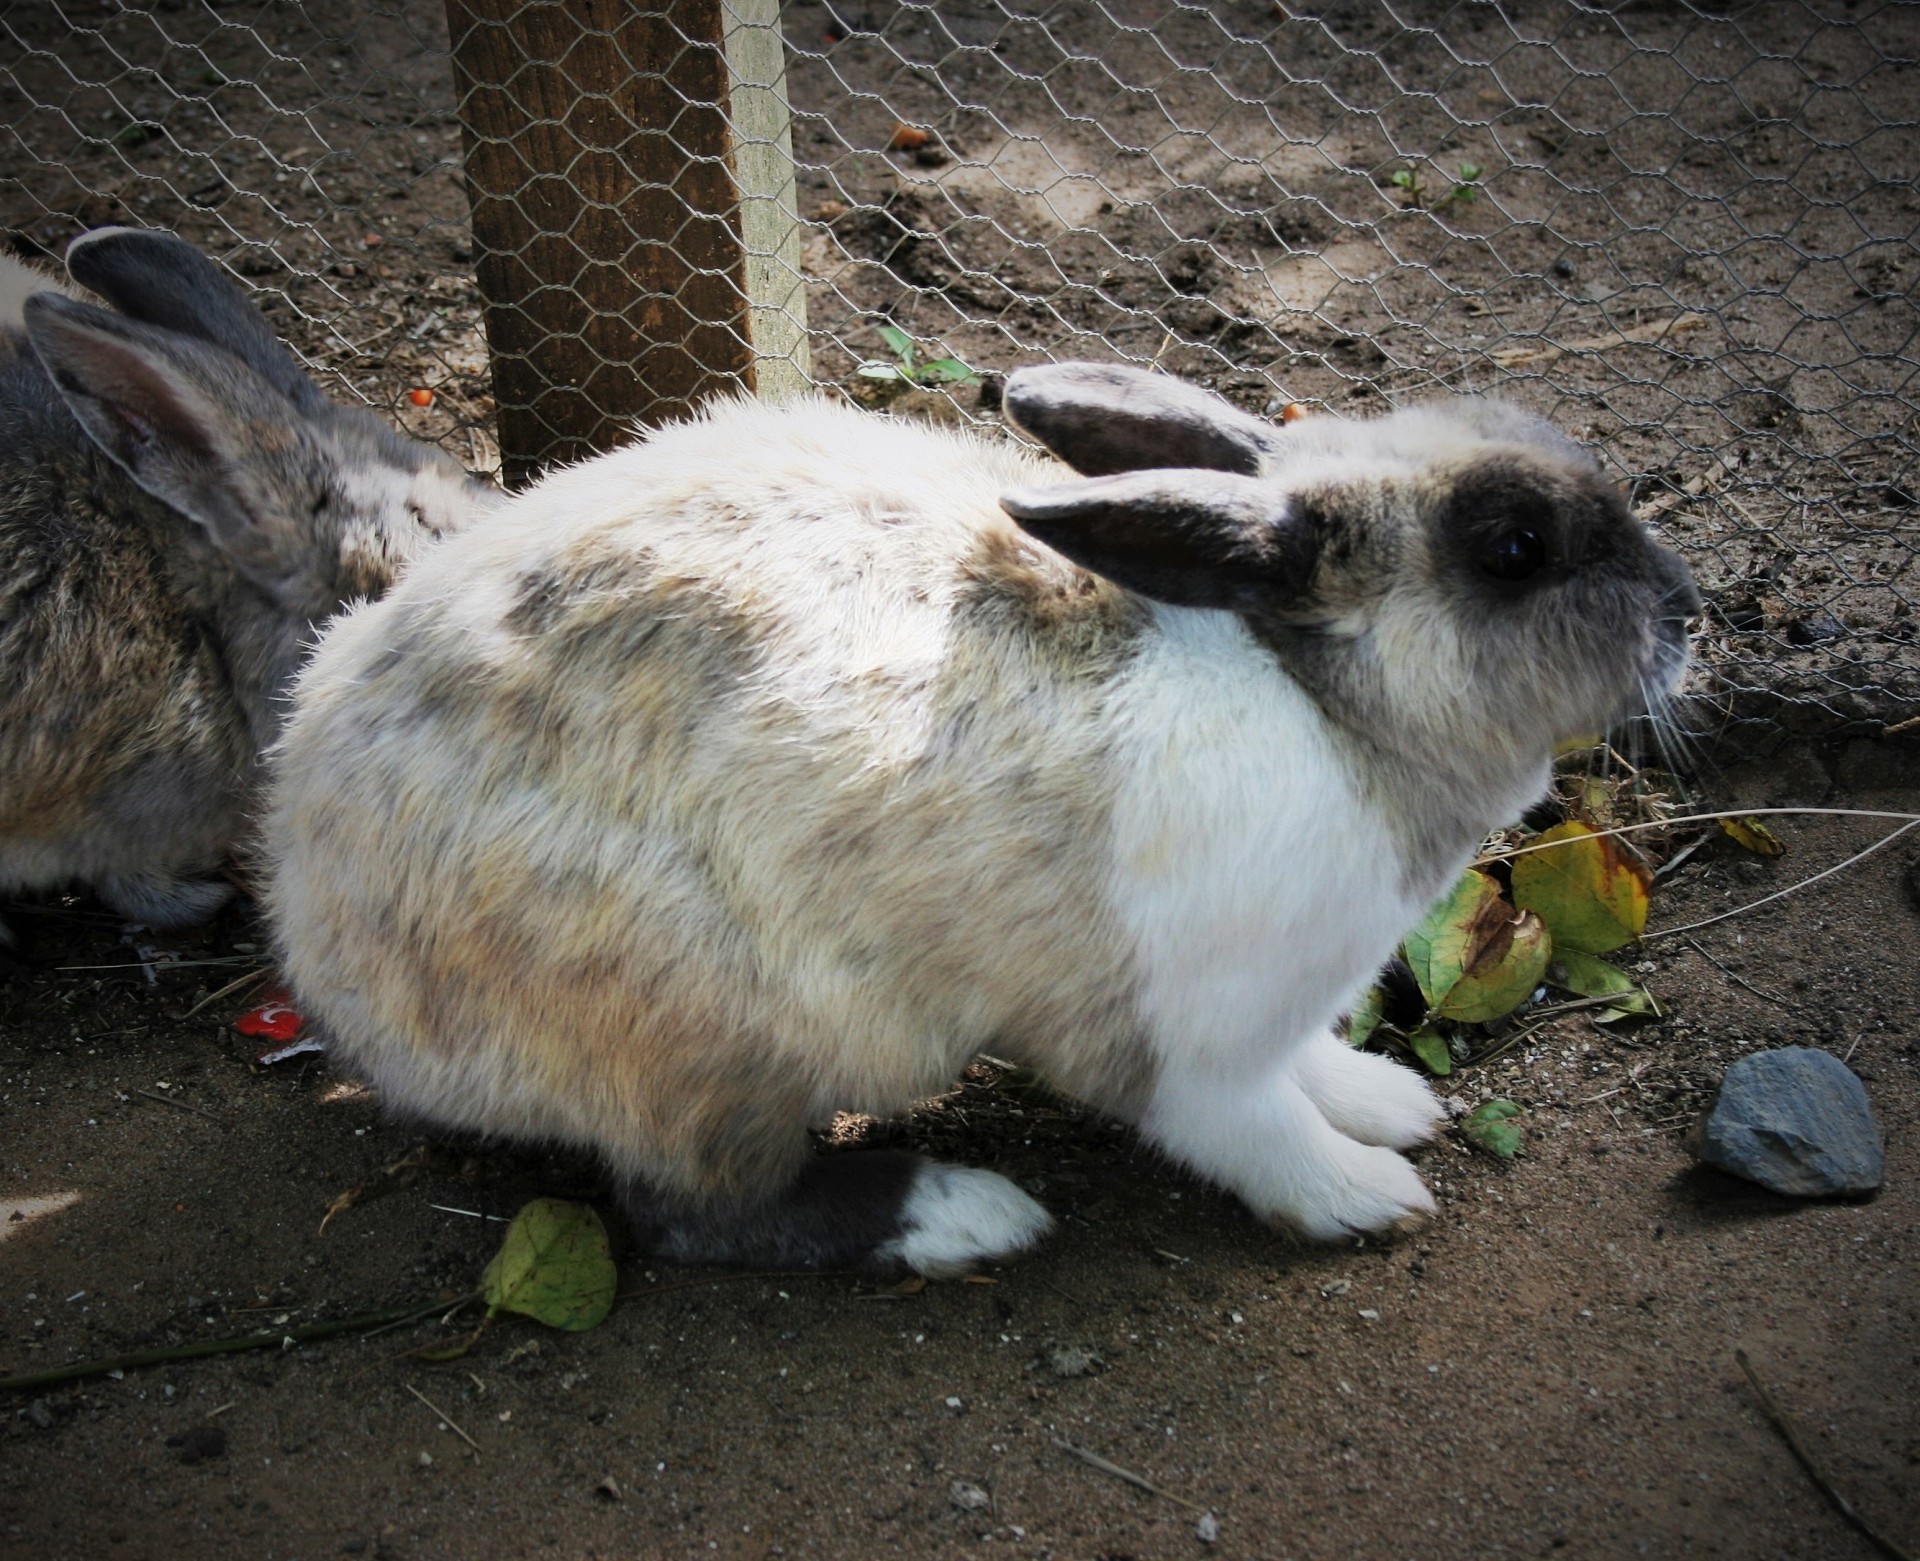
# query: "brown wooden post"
630,172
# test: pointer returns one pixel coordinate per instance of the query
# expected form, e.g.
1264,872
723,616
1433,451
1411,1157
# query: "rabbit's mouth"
1674,614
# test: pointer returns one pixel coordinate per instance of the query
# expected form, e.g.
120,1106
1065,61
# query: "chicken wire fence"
1683,229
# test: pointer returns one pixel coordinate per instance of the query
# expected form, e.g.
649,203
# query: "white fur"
1262,890
957,1217
19,281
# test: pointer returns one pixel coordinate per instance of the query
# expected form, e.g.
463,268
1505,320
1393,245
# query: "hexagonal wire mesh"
1684,230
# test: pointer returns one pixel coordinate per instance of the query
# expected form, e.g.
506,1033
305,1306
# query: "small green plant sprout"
1420,195
906,369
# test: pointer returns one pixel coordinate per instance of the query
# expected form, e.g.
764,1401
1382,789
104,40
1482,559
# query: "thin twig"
272,1340
450,1424
1107,1466
1741,910
168,1100
1504,853
159,964
1791,1435
1574,1005
401,1322
1737,979
1504,1047
231,986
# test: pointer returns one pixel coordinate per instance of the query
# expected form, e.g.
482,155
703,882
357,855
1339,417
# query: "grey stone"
1797,1121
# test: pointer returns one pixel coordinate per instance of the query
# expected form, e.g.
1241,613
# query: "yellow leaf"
1589,892
1753,835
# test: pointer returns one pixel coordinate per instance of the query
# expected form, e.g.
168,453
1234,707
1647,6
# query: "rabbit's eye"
1514,555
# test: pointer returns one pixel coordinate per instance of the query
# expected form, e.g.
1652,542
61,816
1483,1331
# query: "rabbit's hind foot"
163,902
878,1210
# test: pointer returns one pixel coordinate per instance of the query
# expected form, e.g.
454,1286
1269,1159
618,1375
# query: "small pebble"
1795,1120
1207,1530
968,1497
1072,1360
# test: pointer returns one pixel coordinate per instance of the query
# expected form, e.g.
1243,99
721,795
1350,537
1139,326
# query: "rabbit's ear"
196,429
1104,417
163,280
1189,538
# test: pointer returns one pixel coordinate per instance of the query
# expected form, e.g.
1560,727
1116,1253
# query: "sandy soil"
1548,1370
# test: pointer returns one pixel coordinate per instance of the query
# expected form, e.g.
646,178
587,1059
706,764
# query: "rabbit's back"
689,806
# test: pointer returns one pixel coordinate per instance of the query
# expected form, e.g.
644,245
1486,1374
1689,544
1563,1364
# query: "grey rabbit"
777,764
180,508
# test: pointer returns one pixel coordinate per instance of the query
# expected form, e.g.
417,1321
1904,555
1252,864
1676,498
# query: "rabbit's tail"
879,1210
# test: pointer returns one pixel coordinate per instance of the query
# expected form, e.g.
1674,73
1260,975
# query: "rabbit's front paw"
956,1217
1357,1190
1368,1097
1270,1142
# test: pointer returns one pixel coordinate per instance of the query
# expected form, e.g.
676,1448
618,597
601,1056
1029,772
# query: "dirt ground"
1547,1370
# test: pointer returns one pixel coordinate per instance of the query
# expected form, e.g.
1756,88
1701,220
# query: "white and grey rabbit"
180,505
777,765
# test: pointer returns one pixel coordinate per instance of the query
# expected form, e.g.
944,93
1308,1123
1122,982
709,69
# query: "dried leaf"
554,1266
1753,836
1492,1127
1589,892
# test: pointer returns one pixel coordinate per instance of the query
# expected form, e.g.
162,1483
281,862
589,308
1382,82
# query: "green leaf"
554,1266
899,342
1492,1127
1366,1016
1474,956
873,368
1430,1046
1437,949
949,371
1469,172
1589,892
1507,965
1586,976
1403,178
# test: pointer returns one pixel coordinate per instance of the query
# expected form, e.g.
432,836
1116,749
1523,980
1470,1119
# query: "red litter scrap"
277,1020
